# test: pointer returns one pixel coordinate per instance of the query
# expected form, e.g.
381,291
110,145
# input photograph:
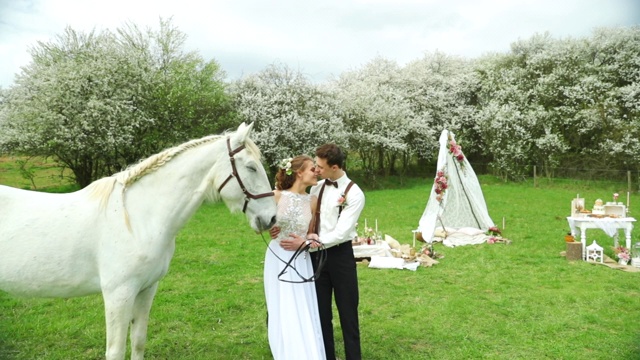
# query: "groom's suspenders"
316,227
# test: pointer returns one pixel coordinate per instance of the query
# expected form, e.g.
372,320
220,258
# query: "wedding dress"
293,321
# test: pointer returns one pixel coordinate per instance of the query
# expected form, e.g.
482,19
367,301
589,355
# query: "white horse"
117,236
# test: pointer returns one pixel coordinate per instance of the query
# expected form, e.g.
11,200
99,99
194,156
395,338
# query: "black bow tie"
331,183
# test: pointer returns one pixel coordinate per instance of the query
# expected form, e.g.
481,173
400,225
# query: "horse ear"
243,132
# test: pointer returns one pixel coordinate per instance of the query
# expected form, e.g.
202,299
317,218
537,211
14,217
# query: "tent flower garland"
441,185
456,151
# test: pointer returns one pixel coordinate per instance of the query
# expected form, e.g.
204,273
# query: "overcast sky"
320,38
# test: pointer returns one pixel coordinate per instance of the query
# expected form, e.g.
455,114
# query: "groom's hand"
292,243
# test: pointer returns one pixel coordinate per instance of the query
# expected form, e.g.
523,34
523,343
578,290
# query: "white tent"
458,214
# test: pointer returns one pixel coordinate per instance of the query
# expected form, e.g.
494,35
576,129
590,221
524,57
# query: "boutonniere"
342,200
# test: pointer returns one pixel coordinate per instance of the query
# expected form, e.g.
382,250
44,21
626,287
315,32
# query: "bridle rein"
234,174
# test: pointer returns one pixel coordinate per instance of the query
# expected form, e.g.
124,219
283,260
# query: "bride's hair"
284,181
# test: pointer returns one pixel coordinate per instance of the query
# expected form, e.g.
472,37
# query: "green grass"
45,175
518,301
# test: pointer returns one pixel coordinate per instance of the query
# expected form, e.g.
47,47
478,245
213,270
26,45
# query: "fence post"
535,177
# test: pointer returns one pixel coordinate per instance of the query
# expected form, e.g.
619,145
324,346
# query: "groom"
340,202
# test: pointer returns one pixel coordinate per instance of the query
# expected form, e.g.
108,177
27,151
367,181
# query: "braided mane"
154,162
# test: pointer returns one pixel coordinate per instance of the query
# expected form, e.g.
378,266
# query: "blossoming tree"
292,116
96,102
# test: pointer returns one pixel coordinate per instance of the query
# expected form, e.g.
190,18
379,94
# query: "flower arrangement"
622,253
456,151
495,236
427,250
441,185
369,235
498,239
494,231
285,164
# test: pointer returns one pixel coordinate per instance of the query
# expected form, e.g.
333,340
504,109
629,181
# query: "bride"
293,319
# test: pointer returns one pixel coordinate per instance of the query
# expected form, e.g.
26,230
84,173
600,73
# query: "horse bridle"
249,196
234,174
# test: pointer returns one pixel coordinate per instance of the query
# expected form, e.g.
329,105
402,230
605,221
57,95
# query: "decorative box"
616,210
577,207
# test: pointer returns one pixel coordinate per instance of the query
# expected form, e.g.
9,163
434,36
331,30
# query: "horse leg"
118,306
140,321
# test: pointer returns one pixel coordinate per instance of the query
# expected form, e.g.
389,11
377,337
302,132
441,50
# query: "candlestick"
627,202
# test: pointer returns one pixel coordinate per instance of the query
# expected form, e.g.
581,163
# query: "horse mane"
154,162
102,188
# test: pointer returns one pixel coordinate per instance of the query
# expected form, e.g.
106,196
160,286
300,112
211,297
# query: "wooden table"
607,224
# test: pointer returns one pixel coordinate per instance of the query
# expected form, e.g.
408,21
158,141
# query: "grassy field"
518,301
38,173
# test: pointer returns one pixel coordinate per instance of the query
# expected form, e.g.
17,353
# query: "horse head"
242,182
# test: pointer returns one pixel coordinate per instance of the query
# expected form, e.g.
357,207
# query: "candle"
627,201
365,224
376,225
503,223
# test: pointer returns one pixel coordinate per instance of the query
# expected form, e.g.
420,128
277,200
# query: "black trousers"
339,276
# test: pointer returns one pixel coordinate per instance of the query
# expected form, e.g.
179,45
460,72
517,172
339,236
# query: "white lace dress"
293,323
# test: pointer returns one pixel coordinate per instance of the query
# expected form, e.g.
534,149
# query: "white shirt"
334,230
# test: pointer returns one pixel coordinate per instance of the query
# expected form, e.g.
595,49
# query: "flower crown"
285,164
